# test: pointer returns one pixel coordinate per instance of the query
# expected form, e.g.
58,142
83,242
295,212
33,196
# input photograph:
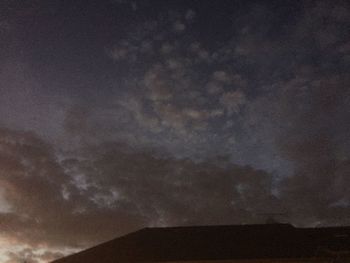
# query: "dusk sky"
120,114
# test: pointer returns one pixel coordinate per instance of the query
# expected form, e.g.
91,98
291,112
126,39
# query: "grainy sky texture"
118,114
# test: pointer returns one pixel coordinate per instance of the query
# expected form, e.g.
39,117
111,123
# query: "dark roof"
279,241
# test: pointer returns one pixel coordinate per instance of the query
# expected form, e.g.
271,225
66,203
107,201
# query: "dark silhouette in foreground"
250,243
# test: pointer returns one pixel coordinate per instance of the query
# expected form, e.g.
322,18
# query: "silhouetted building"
224,244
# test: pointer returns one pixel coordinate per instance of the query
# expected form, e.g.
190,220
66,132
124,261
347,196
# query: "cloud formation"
117,188
128,115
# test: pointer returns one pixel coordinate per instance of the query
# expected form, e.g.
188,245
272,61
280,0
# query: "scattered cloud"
185,121
179,26
190,14
233,101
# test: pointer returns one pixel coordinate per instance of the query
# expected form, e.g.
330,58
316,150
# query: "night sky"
117,115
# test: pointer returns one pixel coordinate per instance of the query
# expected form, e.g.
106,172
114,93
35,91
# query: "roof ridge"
216,226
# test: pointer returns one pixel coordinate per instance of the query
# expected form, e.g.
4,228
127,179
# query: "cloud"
221,76
132,4
222,80
4,26
179,26
29,256
33,181
345,48
233,101
76,120
125,190
147,39
201,54
139,44
311,112
162,189
5,207
130,52
190,14
312,145
158,86
321,23
173,139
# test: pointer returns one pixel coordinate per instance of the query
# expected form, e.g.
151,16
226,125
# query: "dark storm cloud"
314,145
35,184
117,188
311,109
165,189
